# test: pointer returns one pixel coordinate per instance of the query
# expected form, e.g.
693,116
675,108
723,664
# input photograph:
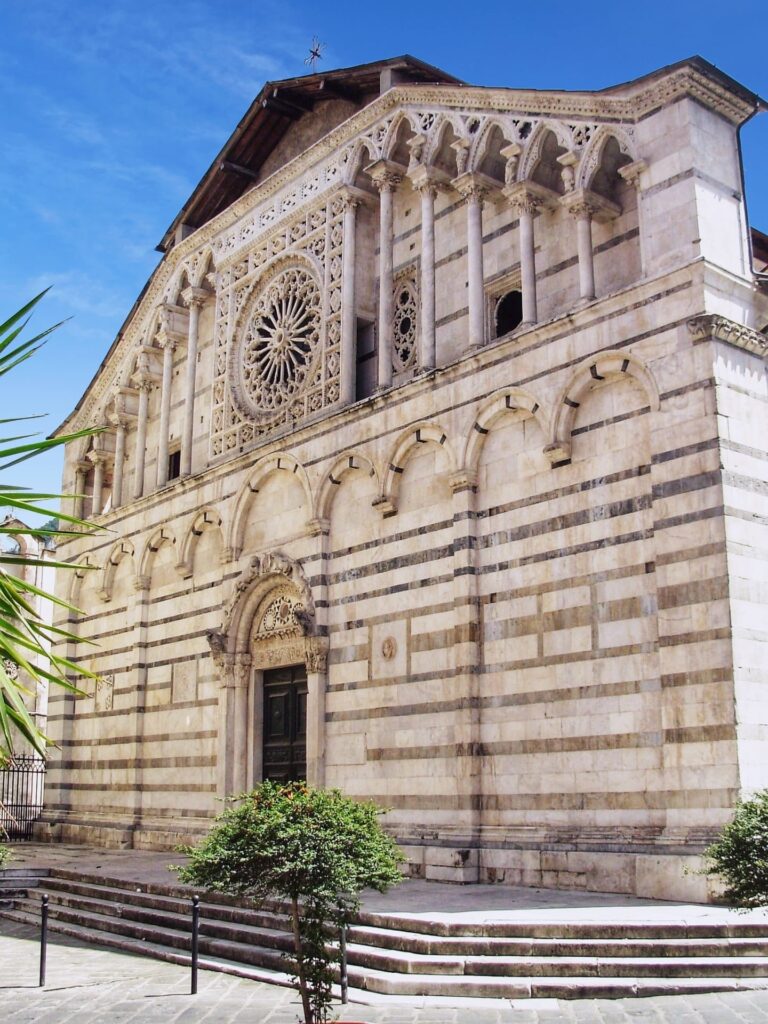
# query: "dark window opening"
509,313
366,378
174,465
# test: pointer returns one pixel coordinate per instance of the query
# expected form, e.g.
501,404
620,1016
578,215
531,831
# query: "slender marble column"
348,310
242,677
632,173
195,298
98,482
526,211
386,181
81,469
168,346
144,386
117,481
582,212
427,355
474,193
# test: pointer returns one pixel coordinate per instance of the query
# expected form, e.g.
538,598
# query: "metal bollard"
195,937
43,938
343,976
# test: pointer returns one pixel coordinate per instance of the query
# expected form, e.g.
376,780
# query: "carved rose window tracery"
280,343
405,317
279,619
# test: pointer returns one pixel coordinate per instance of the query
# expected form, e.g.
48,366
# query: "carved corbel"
318,527
316,654
558,452
383,505
569,161
463,480
141,583
631,173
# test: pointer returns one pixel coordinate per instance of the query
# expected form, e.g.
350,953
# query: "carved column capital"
242,670
385,176
584,203
529,197
472,187
425,178
195,297
632,173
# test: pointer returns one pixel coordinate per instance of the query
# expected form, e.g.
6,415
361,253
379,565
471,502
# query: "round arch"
206,519
275,463
120,551
157,540
424,433
350,462
497,405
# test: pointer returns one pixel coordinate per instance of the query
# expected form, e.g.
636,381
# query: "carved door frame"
242,651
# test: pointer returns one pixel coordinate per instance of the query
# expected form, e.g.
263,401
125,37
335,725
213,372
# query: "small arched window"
509,313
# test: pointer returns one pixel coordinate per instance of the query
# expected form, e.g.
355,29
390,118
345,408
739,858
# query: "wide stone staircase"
399,955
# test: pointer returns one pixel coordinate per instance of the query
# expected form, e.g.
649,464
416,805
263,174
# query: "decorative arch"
424,433
532,151
480,143
593,152
350,462
600,367
120,551
446,123
275,463
362,153
497,405
160,537
392,138
87,564
206,519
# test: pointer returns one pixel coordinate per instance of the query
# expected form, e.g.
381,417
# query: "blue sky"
113,110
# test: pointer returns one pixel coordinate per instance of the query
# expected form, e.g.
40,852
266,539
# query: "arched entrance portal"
272,668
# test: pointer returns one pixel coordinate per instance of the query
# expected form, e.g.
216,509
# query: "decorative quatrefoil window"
279,344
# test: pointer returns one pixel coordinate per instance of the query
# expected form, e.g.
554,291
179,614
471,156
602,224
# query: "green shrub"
315,848
5,855
740,854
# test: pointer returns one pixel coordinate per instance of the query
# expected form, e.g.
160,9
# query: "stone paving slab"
100,986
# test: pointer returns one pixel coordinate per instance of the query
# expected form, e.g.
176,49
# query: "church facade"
433,468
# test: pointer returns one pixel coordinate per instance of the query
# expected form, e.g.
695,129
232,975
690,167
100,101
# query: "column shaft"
98,486
348,310
586,257
189,391
141,440
117,482
475,270
77,507
165,415
385,286
528,264
427,359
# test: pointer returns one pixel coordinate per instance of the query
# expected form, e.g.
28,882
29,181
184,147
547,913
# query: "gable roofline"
236,167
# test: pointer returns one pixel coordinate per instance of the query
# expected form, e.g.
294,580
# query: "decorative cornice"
720,328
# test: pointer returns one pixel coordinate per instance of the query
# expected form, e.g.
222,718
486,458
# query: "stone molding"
720,328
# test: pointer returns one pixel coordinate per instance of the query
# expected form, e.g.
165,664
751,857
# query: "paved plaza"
100,986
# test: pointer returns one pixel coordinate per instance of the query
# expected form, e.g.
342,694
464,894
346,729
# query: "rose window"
405,325
280,342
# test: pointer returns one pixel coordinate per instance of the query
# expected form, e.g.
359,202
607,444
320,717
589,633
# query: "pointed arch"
120,551
498,404
598,368
423,433
444,132
485,138
275,463
536,140
361,153
349,462
157,540
593,152
206,519
394,146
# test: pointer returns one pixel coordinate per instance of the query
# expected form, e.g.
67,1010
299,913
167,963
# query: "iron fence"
22,782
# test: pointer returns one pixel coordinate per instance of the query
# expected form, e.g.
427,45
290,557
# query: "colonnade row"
130,406
527,198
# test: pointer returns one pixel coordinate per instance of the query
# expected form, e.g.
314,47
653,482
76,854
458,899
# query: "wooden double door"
285,724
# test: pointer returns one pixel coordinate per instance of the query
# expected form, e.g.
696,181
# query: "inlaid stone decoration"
429,464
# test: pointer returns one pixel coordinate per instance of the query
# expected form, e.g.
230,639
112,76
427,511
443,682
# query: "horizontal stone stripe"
710,444
714,733
420,557
617,610
753,484
142,762
400,681
727,445
609,421
691,554
85,716
600,544
699,677
685,485
693,592
566,521
137,787
747,516
695,637
396,588
157,737
659,800
699,515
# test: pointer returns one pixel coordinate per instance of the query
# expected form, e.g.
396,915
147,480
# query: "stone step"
180,904
389,939
151,917
375,982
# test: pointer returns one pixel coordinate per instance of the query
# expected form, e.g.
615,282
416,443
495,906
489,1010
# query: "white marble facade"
443,423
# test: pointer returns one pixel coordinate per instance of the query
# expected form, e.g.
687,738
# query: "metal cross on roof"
315,54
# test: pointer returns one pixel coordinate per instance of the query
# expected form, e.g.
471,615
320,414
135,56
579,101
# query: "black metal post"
343,976
195,937
43,938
